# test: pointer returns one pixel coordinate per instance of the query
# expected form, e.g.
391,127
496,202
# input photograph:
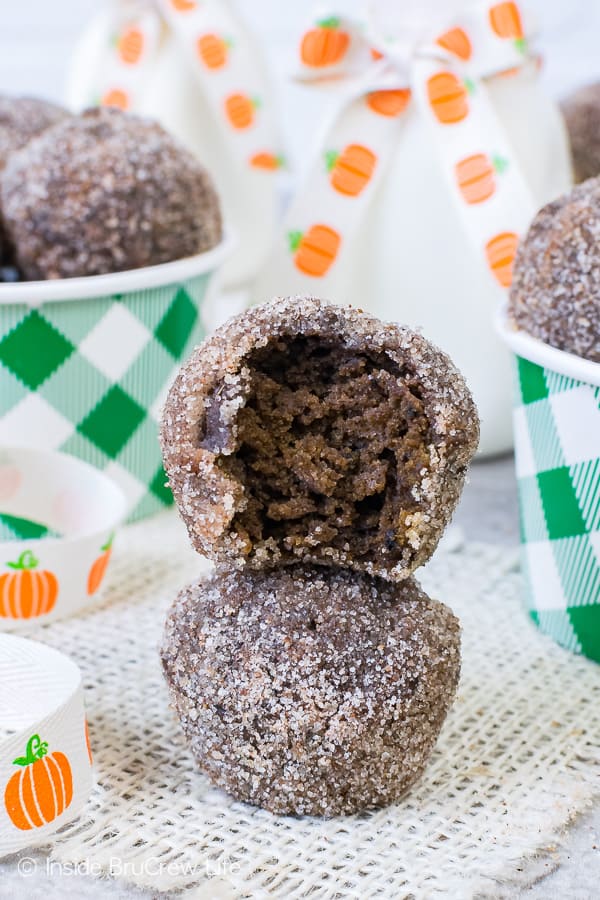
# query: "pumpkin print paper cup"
85,364
45,760
58,517
557,451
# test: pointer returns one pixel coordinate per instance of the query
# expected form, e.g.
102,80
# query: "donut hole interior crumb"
331,445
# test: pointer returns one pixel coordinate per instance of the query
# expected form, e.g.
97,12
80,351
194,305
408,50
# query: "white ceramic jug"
412,261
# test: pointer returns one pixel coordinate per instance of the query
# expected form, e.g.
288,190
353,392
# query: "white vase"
412,261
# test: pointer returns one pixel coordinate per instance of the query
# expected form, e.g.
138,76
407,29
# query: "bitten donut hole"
331,446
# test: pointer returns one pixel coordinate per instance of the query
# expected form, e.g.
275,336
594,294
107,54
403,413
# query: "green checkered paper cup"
85,365
557,454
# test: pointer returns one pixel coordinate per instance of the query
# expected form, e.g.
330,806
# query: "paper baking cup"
85,364
45,756
557,452
42,579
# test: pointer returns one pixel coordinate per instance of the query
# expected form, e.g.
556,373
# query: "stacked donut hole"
96,193
316,456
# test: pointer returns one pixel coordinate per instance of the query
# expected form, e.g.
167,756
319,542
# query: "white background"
36,38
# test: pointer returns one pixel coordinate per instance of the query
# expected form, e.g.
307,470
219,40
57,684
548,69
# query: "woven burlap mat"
517,759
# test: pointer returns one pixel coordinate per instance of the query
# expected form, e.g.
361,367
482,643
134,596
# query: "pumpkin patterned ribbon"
45,756
221,59
444,78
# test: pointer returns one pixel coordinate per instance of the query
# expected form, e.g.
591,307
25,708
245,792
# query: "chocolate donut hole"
310,691
301,431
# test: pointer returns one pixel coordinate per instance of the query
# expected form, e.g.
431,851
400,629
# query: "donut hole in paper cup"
75,509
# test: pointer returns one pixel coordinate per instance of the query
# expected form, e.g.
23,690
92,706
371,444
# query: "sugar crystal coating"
555,295
106,192
582,116
304,431
22,119
310,690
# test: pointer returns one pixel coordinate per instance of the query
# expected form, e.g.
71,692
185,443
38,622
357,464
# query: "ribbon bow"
220,56
442,74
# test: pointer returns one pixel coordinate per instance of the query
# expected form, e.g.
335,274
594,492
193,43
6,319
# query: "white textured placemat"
517,759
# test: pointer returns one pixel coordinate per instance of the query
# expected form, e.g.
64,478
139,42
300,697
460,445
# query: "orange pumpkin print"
98,569
240,110
117,98
26,593
510,73
351,170
476,177
268,161
457,42
41,790
506,21
376,54
501,252
448,97
88,744
213,51
131,46
184,5
388,103
324,45
315,250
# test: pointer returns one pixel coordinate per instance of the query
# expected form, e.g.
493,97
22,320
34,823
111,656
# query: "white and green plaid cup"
557,453
85,364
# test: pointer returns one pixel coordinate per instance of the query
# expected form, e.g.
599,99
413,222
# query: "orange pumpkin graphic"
501,252
315,250
506,21
184,5
448,97
388,103
98,569
117,98
324,45
510,73
376,54
213,51
26,593
131,46
87,744
267,161
476,176
240,110
352,169
41,790
457,41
